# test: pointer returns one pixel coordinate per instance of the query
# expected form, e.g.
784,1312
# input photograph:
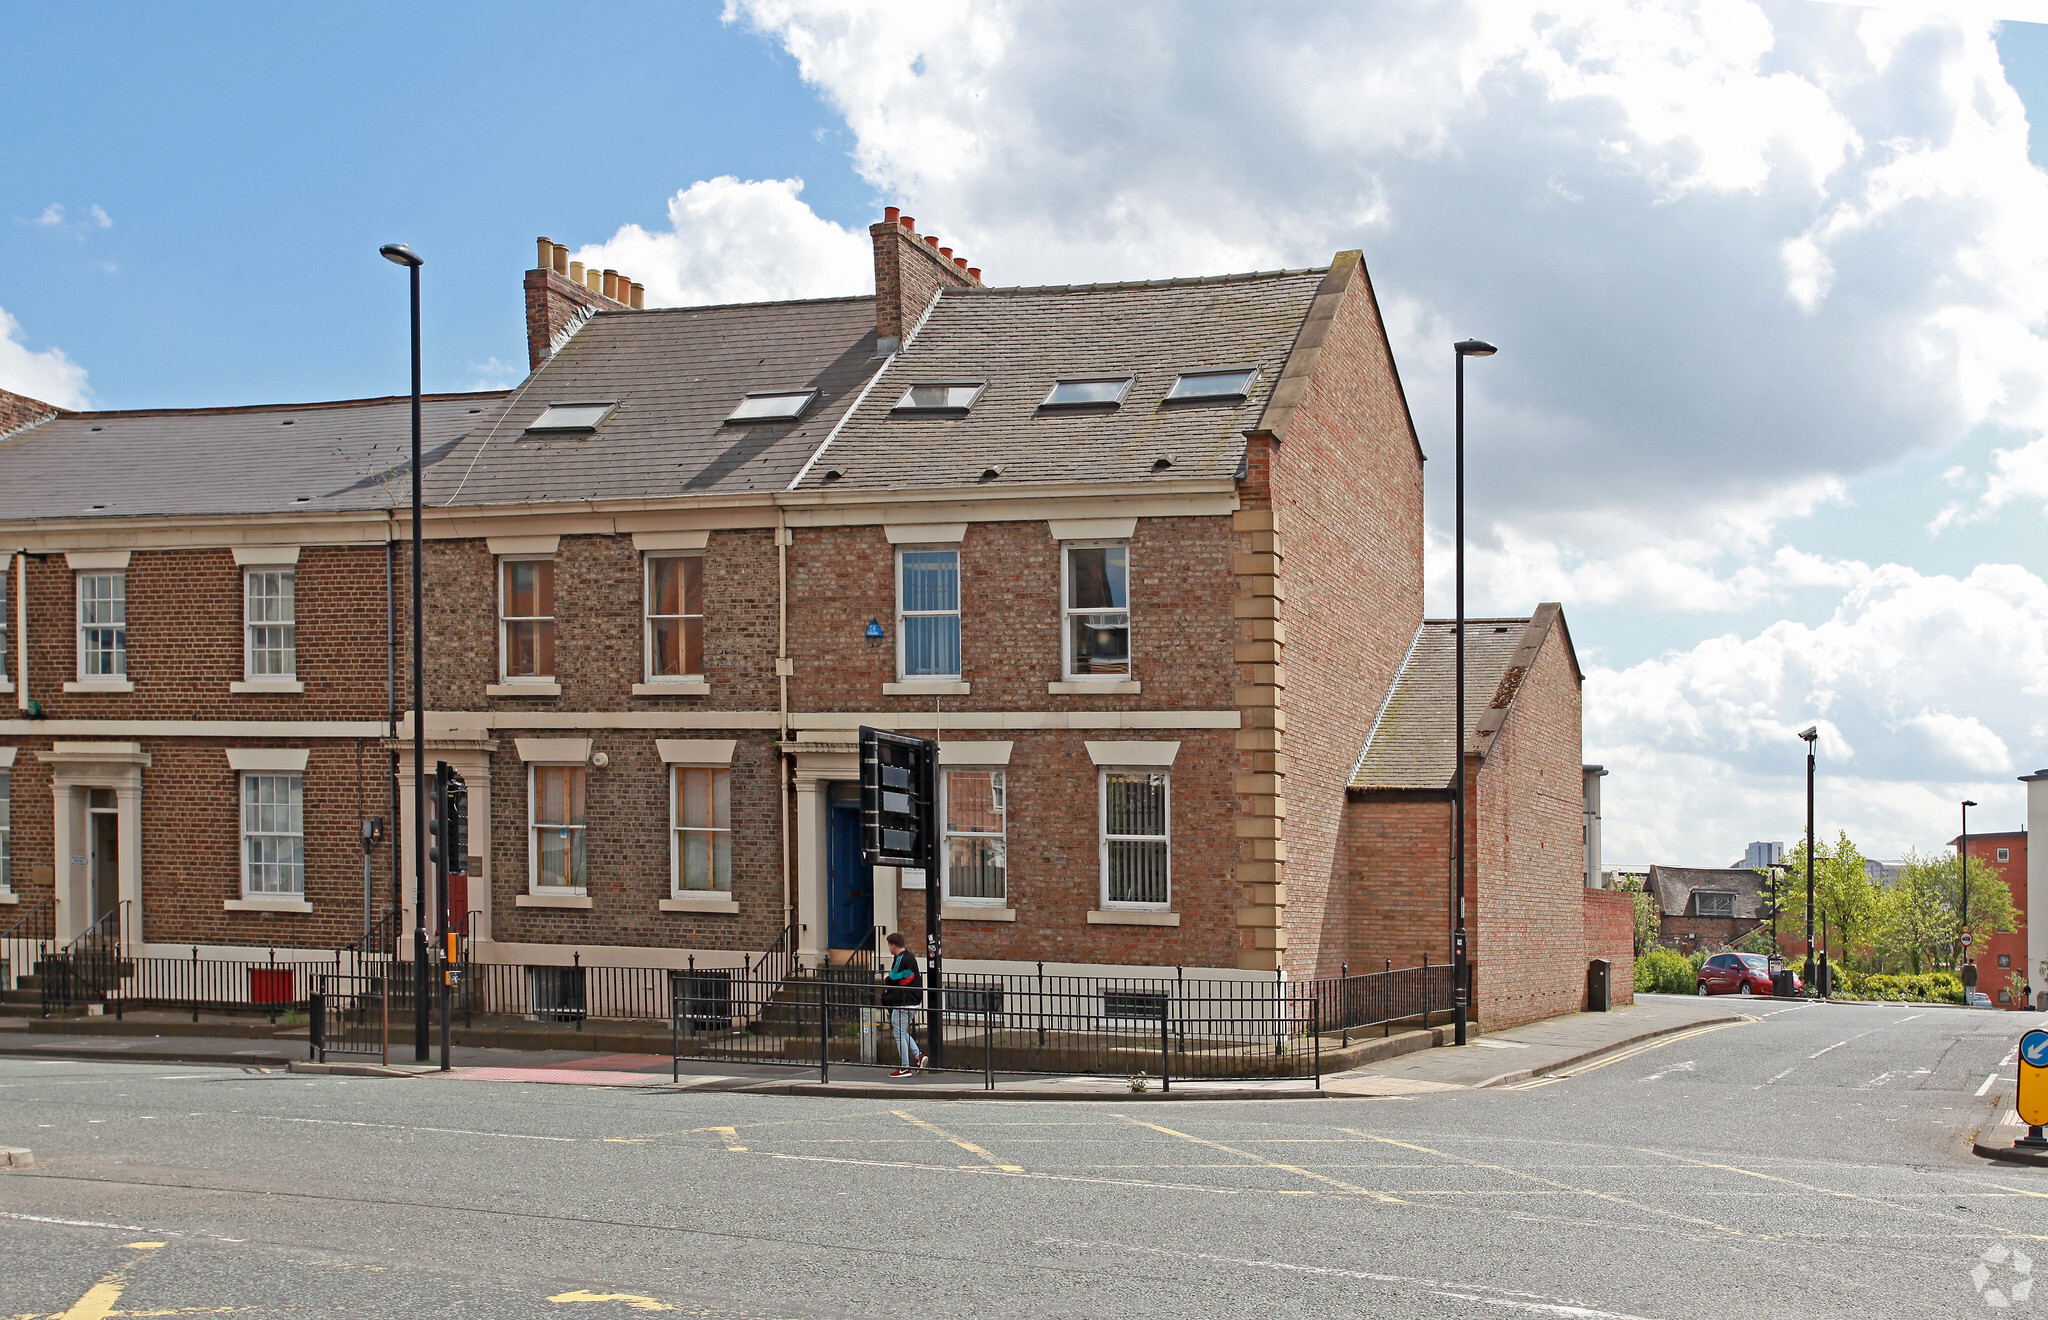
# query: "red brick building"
2004,955
1146,559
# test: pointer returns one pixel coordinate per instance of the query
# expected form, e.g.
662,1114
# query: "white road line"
1464,1292
2011,1058
1909,1018
406,1127
1006,1173
123,1228
1794,1009
1989,1082
1837,1045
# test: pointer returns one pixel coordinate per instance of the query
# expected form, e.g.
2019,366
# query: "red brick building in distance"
2004,955
1145,558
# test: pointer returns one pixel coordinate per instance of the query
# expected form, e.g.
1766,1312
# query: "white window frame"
648,616
902,642
1699,906
1103,838
533,828
1068,613
295,784
290,624
2005,854
946,834
676,830
6,622
120,672
504,634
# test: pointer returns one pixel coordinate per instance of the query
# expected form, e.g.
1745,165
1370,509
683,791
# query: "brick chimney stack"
559,290
18,412
909,268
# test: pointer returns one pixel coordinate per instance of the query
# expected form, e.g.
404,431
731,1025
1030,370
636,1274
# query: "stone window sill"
283,685
9,896
971,912
1100,687
673,687
715,905
100,685
927,687
1132,917
552,901
549,689
267,905
6,685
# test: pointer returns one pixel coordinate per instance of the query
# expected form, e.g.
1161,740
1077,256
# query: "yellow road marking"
628,1141
632,1301
1271,1164
98,1301
145,1245
1550,1182
963,1144
731,1135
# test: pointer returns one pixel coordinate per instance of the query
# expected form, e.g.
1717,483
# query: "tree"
1846,902
1921,917
1649,918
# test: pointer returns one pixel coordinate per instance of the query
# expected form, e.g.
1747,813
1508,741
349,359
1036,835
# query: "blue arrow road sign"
2034,1048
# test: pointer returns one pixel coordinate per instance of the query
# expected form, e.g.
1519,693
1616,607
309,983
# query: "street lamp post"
1461,968
421,1019
1969,967
1811,734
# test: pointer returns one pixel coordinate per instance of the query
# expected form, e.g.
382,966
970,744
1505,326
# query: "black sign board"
899,799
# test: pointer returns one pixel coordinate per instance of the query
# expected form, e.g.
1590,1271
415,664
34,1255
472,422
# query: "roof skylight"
1089,392
780,406
1232,384
579,416
957,396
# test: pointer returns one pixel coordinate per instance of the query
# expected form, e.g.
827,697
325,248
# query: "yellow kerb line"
1627,1054
1271,1164
967,1146
99,1300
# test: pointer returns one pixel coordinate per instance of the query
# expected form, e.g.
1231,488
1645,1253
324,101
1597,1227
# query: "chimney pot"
611,285
961,262
593,279
890,213
547,253
931,240
639,296
561,265
576,271
908,223
945,252
975,271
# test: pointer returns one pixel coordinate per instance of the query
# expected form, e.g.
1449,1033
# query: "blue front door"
849,883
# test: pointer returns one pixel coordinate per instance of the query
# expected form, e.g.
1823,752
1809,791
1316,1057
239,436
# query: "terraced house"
1146,558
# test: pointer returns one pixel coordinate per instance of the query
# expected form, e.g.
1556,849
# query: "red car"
1739,974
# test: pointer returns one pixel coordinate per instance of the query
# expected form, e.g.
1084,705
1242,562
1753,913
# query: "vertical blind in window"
102,625
675,617
977,855
558,825
272,619
274,834
529,596
930,598
1098,611
1134,836
703,810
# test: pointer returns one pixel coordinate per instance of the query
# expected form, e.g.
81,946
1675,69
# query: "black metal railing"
89,969
1164,1029
27,943
351,1013
1394,996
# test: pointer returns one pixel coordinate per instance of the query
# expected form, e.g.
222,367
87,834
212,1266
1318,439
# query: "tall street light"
1811,734
1969,967
405,256
1461,969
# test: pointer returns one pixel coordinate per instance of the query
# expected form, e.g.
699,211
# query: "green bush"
1666,972
1924,987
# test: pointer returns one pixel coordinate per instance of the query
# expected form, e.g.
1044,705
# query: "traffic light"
450,850
898,799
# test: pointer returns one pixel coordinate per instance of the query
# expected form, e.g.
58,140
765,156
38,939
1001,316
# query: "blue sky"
1771,414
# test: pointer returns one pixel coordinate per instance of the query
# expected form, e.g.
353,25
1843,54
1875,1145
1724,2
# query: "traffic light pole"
422,983
934,932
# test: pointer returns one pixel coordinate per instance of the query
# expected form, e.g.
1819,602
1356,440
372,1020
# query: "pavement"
1800,1160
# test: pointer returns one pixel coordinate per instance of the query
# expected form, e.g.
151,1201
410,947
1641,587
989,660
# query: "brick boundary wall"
1610,922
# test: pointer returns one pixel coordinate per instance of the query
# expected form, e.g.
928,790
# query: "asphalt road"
1811,1162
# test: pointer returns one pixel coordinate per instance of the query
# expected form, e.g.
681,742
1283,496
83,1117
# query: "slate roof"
1674,886
1021,341
351,454
676,373
1410,743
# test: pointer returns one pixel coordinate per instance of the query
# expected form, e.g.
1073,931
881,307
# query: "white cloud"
735,241
1927,689
100,217
46,374
492,374
52,216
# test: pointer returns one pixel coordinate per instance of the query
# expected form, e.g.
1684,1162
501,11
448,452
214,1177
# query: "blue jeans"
906,1045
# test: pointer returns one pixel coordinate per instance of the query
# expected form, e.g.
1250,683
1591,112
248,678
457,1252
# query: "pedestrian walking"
905,981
